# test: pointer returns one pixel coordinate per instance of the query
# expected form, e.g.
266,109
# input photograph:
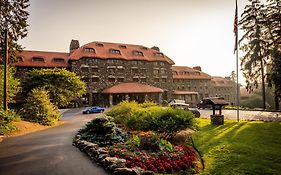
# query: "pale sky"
190,32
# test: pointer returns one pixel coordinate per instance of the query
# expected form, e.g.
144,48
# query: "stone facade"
105,65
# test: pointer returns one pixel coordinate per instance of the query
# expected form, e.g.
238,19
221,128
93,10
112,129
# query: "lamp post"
5,61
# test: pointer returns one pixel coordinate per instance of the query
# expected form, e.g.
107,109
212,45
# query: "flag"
235,29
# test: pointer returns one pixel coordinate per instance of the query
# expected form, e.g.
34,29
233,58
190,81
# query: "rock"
124,171
119,163
109,161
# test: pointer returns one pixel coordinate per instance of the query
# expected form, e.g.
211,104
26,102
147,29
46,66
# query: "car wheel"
88,112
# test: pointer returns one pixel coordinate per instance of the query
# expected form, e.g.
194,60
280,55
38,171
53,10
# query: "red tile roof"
127,88
184,72
102,50
222,82
28,59
184,92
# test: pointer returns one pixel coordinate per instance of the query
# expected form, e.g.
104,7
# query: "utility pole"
5,100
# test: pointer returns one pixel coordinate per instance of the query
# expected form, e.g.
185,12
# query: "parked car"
204,103
185,106
94,109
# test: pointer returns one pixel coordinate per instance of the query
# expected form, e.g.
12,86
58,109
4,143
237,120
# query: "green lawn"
240,148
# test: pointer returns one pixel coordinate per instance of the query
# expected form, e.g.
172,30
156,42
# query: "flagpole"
237,62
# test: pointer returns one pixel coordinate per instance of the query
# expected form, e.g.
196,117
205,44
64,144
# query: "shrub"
103,132
38,108
6,119
148,116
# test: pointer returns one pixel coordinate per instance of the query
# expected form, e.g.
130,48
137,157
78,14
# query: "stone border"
100,156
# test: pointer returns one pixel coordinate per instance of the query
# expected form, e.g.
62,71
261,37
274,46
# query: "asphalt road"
244,115
48,152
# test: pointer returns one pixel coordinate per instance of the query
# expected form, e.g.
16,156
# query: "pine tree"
273,34
13,17
254,45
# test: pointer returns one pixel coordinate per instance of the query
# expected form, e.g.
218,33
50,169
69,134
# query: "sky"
190,32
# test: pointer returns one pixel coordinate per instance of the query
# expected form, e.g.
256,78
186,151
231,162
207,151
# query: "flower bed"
181,158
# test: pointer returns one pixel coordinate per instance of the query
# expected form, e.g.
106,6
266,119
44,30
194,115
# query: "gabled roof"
50,59
222,82
127,52
184,72
128,88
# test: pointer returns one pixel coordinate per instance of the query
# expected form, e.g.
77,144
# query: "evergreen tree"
13,17
254,45
273,34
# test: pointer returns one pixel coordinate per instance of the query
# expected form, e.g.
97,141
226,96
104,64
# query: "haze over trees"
261,23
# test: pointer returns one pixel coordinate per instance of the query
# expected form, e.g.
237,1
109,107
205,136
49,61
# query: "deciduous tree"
62,85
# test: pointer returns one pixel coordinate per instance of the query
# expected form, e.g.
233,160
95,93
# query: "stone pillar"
160,98
110,100
146,97
127,98
90,98
217,119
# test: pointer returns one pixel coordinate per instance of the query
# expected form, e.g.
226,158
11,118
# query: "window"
159,54
123,46
135,71
143,79
95,79
175,72
163,71
59,60
20,59
135,79
164,79
99,44
155,71
38,59
84,69
156,79
120,79
95,69
89,50
134,62
138,53
111,70
115,51
111,79
86,80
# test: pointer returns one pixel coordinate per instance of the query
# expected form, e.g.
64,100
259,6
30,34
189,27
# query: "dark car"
94,109
204,103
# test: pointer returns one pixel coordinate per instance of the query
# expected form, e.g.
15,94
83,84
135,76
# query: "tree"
254,45
233,76
14,85
62,85
38,108
13,17
273,34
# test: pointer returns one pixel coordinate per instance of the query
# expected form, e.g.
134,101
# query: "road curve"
48,152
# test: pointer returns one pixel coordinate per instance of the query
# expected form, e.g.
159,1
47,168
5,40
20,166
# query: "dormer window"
20,59
159,54
123,46
115,51
99,44
58,60
138,53
89,50
38,59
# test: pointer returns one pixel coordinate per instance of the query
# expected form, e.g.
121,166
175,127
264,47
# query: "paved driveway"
48,152
245,115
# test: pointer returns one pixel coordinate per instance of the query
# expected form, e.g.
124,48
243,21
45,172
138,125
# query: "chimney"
74,44
155,48
197,68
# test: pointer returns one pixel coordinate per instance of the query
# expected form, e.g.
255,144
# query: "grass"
250,148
